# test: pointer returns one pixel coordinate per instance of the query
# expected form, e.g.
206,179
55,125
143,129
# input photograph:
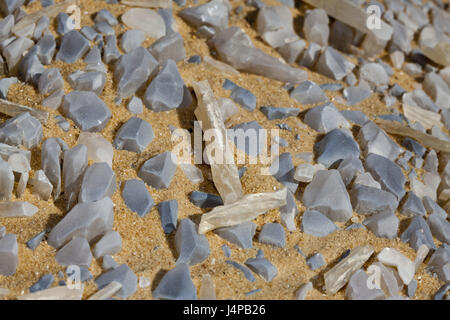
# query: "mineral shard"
159,170
240,235
176,284
136,197
192,248
8,254
134,135
99,181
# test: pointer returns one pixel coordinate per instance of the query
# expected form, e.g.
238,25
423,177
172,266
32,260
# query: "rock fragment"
315,27
192,248
213,14
176,284
136,197
159,170
413,205
99,181
169,47
357,288
44,283
23,129
273,233
240,235
338,144
308,92
333,65
8,255
317,224
262,267
383,225
275,113
41,185
146,20
75,252
315,261
6,180
405,267
121,274
109,244
134,135
73,47
205,200
325,118
12,209
369,200
275,24
168,210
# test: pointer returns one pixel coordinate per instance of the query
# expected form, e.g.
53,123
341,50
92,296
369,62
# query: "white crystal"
405,267
99,149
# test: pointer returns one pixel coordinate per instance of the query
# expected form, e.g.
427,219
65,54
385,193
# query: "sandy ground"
146,249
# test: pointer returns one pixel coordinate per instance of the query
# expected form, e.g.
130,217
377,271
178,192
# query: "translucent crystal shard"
41,185
146,20
134,135
17,209
325,118
89,220
56,293
338,276
98,148
109,244
192,248
405,267
99,181
207,288
6,180
240,235
235,48
159,170
315,27
225,175
275,24
23,129
317,224
8,255
176,284
337,144
122,274
358,288
73,47
170,46
74,166
245,209
75,252
51,163
136,197
213,14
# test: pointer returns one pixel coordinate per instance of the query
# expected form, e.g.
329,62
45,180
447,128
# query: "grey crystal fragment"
168,210
226,250
5,83
104,28
109,263
273,113
65,23
132,71
387,173
413,205
89,81
195,59
50,81
6,180
333,65
336,145
325,118
396,90
135,105
317,224
357,117
167,15
349,168
244,136
46,48
262,267
6,24
440,228
99,181
14,51
111,52
166,90
310,55
75,252
374,140
273,233
355,95
374,73
109,244
131,39
35,241
192,248
170,46
176,284
89,220
122,274
74,166
8,255
292,50
106,16
134,135
213,14
289,212
383,225
368,200
315,261
357,288
246,271
205,200
308,93
44,283
136,197
442,292
159,170
41,185
282,168
240,235
87,110
315,26
355,226
23,129
244,98
418,98
414,146
439,262
73,47
418,233
2,231
327,194
89,32
432,207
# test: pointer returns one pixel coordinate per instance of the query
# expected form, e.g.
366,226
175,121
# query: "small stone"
308,93
240,235
135,105
108,263
262,267
170,23
369,200
304,172
73,47
176,284
213,14
109,244
134,135
374,73
338,144
8,255
192,248
317,224
44,283
357,288
275,25
227,108
274,113
169,47
315,261
65,23
87,110
273,233
15,50
282,168
405,267
291,51
46,48
226,250
99,181
50,81
88,81
414,146
438,90
23,129
106,16
374,140
315,26
438,263
349,168
98,148
333,65
383,225
193,173
75,252
440,227
310,56
6,180
111,52
168,211
146,20
6,24
159,170
356,117
196,59
303,291
5,83
41,185
413,205
387,173
91,219
136,197
288,212
433,208
166,90
244,98
54,101
331,87
397,59
417,234
355,95
34,242
325,118
123,275
89,32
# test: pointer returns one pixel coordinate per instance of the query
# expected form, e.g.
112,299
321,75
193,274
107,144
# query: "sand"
146,249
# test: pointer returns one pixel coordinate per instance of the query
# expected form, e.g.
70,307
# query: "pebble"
109,244
89,32
65,23
135,106
146,20
105,16
5,83
405,267
413,205
109,263
15,50
136,197
168,211
134,135
73,47
159,170
244,98
44,283
8,255
374,140
99,181
292,51
111,51
325,118
98,148
317,224
333,65
310,55
289,212
205,200
273,233
275,25
438,263
357,288
383,225
240,235
226,250
308,93
75,252
36,240
17,209
176,284
262,267
338,144
349,168
368,200
6,180
282,169
169,47
191,247
122,274
41,185
440,227
315,261
88,81
356,94
213,14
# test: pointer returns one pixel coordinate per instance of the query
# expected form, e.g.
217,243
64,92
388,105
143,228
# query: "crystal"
65,23
274,113
8,254
356,94
315,27
121,274
262,267
41,185
176,284
107,291
439,227
358,289
5,83
413,205
438,263
246,271
325,118
15,50
108,263
98,148
369,200
356,117
136,197
111,52
56,293
207,288
51,163
44,283
135,105
383,225
333,65
192,248
310,55
374,140
106,16
146,20
109,244
89,32
34,242
438,89
89,81
291,51
205,200
317,224
159,170
6,180
169,47
418,233
99,181
374,73
75,252
240,235
213,13
337,144
73,47
23,129
303,291
405,267
227,108
134,135
308,92
275,25
168,211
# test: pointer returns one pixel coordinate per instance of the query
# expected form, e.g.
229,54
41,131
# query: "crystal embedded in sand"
99,181
275,24
213,14
17,209
8,254
405,267
122,274
24,129
146,20
41,185
134,135
337,277
56,293
6,180
225,174
245,209
192,248
51,163
74,166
